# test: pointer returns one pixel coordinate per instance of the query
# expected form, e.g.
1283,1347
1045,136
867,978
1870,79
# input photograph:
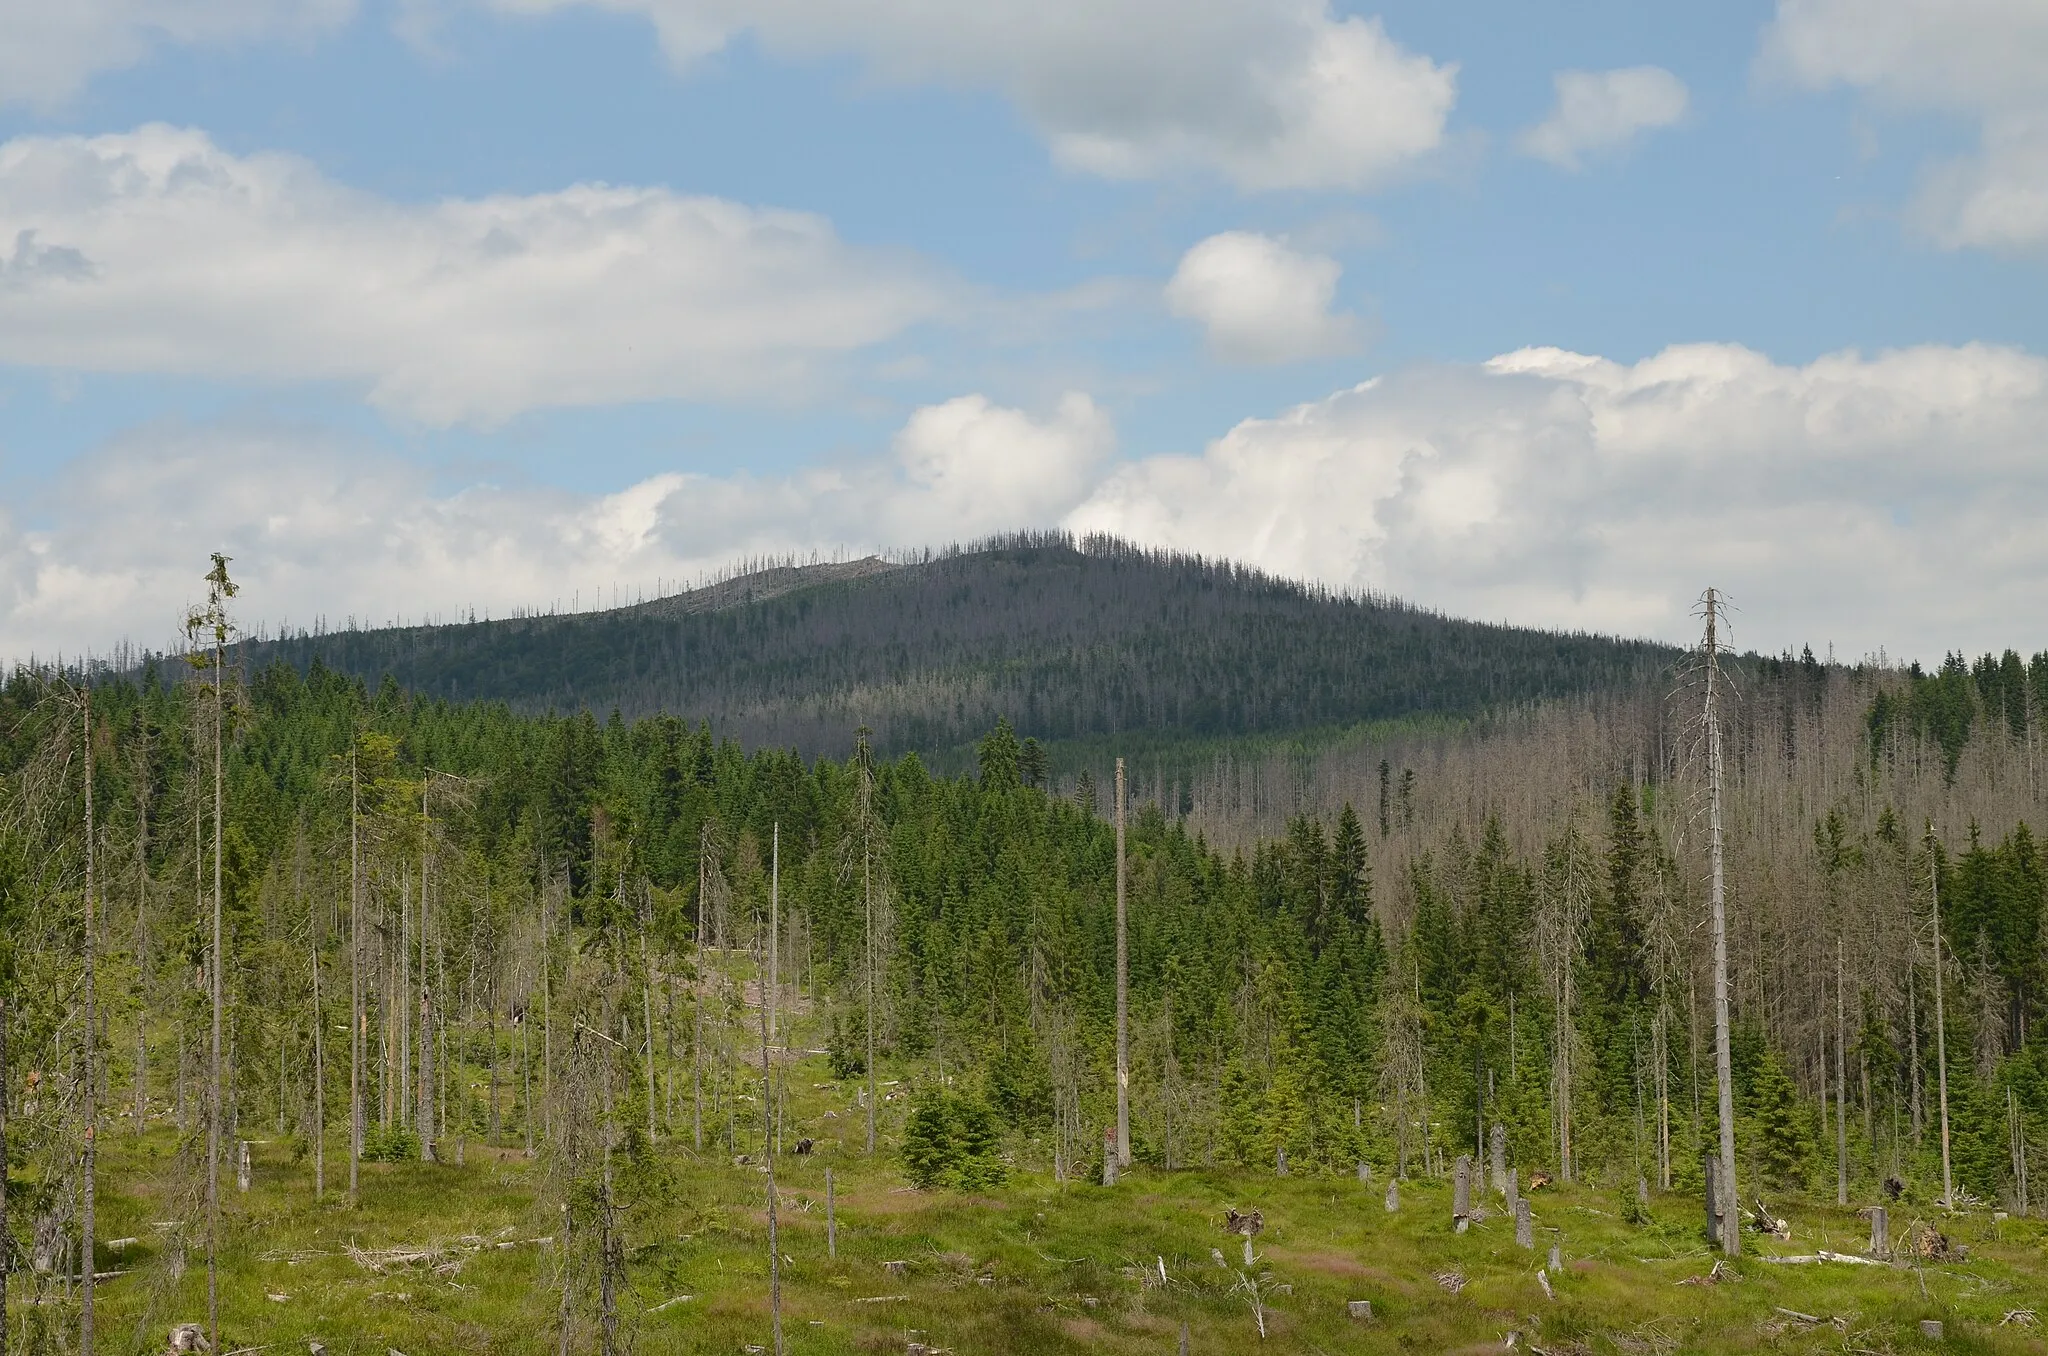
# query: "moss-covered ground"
1033,1266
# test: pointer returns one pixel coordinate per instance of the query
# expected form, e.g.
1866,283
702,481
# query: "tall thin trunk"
1841,1083
768,1157
214,1107
1948,1184
1913,1046
6,1224
424,1116
1724,1079
774,935
867,885
697,990
356,1016
319,1068
1123,991
87,1213
142,985
646,1022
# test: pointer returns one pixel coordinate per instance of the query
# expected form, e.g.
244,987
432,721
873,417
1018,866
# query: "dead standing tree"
209,630
1123,989
581,1178
1563,917
1706,670
862,848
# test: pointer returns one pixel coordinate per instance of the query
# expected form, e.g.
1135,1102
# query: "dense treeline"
1317,991
1066,639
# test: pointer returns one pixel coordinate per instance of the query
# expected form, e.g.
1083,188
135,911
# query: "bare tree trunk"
6,1224
647,1021
1731,1235
87,1213
425,1093
356,1018
1841,1083
1913,1042
1123,990
1948,1185
774,935
697,990
219,966
142,984
767,1102
319,1069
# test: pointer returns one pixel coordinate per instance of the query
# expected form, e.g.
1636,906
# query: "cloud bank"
1890,500
157,251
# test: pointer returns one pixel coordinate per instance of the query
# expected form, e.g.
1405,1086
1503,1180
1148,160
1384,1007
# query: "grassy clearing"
1035,1266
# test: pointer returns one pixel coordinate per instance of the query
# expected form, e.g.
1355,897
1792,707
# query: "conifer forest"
1587,997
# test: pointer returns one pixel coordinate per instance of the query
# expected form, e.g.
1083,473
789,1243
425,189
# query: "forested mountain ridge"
1065,639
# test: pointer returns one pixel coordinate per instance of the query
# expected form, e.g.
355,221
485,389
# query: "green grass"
1035,1266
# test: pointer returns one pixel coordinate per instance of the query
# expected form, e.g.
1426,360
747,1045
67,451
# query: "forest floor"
444,1258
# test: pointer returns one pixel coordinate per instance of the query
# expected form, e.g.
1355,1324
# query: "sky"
1553,315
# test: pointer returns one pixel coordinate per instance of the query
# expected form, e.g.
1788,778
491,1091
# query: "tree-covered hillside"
1065,639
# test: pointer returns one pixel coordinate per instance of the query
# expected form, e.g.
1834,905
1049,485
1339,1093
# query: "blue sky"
1120,265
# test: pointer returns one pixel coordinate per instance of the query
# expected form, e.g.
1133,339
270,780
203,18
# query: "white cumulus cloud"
158,251
50,48
1983,59
1876,501
1259,300
1601,111
1267,93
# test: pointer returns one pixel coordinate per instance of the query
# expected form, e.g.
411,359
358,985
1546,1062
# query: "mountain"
1067,639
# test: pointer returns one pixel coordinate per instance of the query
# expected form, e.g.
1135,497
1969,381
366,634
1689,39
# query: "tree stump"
1930,1328
1360,1310
1525,1229
1461,1193
1880,1232
896,1268
1498,1144
242,1166
1108,1157
1393,1194
1556,1259
1364,1171
1280,1161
